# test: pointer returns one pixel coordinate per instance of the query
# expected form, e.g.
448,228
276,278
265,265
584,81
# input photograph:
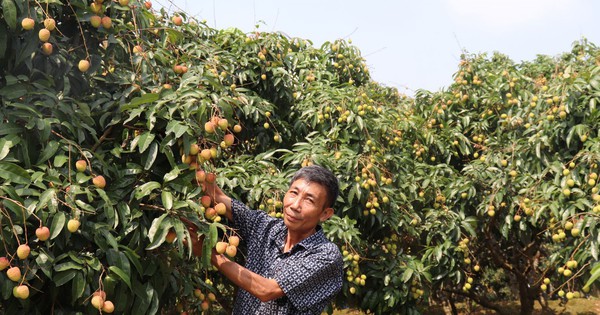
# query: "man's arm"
264,289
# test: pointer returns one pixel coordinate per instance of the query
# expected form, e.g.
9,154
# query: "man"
291,268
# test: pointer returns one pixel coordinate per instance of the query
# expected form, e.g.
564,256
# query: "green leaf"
209,242
69,265
58,222
145,189
10,13
77,286
145,139
177,128
61,278
595,274
151,157
137,101
167,199
119,272
14,173
48,152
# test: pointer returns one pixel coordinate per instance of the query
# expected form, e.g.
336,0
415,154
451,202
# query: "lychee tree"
113,115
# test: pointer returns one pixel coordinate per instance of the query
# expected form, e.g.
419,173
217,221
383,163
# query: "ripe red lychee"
200,176
205,201
177,20
211,178
99,181
47,49
42,233
229,139
106,22
4,263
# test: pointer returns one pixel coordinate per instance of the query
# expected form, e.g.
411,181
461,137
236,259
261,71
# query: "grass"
575,307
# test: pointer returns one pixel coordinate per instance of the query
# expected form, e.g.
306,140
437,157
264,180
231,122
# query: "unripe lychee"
21,292
28,24
96,7
80,165
209,127
205,154
231,251
44,35
194,148
234,240
221,208
14,273
83,65
23,251
108,306
97,302
50,24
237,128
73,225
223,124
95,21
124,2
221,247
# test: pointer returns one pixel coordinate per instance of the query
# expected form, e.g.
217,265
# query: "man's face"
304,206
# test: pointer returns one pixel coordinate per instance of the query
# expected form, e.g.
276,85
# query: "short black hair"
320,175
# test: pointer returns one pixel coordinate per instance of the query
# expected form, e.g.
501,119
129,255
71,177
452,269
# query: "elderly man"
291,267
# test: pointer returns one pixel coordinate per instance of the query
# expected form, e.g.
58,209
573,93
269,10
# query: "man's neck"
294,238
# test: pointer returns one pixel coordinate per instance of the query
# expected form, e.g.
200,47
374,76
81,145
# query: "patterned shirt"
310,274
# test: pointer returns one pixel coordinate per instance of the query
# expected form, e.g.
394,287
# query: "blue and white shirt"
310,274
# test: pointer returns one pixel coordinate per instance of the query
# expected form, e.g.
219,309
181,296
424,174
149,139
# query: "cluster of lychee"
100,302
197,155
21,291
207,299
230,247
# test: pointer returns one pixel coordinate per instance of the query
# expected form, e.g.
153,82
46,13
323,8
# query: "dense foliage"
112,113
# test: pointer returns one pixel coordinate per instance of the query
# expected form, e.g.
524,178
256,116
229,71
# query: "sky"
413,44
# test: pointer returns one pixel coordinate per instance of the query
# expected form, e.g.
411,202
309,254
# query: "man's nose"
295,204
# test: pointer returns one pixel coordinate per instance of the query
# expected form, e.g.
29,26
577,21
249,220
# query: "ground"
576,307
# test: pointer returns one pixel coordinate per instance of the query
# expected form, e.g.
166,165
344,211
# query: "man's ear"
326,214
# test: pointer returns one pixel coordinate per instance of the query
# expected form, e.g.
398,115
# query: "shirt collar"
315,239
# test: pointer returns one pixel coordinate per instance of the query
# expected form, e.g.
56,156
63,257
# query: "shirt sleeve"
314,279
248,222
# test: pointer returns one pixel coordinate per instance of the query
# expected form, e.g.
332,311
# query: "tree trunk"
527,297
